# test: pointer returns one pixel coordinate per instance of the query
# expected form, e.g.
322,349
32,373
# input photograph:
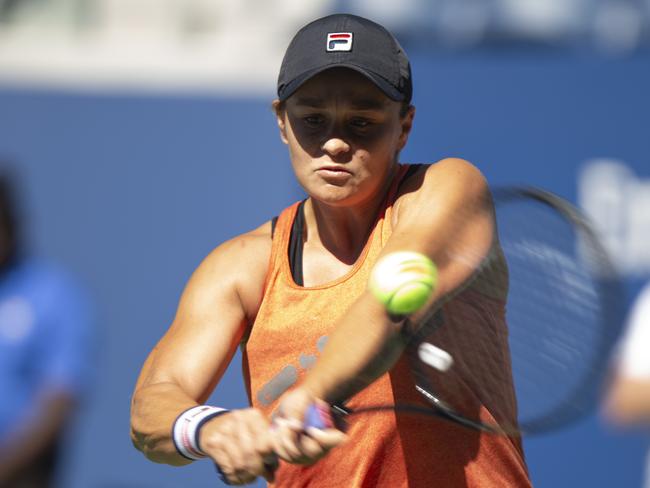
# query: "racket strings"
530,365
553,312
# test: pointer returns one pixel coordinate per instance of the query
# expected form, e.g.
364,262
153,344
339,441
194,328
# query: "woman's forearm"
154,409
365,345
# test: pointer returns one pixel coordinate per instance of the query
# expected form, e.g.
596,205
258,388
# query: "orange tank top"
384,450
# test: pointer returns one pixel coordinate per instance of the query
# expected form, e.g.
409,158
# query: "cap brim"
389,90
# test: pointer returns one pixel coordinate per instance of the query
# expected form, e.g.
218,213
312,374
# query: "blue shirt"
45,336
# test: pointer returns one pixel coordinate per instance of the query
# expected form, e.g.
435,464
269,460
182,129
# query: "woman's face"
344,136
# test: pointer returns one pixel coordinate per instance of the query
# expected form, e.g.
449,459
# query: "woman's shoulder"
245,250
248,253
446,178
448,169
239,263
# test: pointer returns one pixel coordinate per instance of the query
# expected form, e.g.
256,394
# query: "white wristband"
186,429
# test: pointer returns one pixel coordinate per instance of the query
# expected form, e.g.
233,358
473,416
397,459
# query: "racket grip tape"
323,416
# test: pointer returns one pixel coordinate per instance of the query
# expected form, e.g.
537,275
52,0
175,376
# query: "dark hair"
403,110
9,221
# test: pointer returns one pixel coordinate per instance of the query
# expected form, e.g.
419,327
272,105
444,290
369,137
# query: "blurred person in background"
44,354
628,400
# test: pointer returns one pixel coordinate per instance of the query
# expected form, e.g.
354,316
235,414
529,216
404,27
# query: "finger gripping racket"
522,346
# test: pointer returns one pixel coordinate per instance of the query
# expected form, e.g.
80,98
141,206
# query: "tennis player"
293,294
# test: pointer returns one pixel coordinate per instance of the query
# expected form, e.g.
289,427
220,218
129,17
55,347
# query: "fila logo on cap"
339,41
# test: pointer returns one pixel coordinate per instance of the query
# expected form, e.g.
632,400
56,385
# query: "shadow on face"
343,105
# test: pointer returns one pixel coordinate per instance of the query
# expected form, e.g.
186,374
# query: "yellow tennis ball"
403,281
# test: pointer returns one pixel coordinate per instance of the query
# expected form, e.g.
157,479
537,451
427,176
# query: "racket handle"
319,416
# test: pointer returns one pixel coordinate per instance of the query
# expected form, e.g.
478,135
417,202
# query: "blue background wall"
132,192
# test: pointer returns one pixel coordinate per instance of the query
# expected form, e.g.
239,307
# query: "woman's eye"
313,120
360,123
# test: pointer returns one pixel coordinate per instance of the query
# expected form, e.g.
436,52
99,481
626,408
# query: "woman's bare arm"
190,359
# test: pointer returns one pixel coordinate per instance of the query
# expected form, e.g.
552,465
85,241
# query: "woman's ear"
280,116
406,124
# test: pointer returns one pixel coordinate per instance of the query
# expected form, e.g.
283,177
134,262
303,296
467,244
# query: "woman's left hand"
293,440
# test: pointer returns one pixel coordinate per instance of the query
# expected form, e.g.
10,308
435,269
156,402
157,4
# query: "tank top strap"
280,242
404,171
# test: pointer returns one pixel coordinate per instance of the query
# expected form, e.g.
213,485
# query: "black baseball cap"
349,41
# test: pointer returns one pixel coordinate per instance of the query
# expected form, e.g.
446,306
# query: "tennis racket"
522,347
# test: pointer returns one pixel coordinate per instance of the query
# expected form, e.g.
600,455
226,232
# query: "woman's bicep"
208,326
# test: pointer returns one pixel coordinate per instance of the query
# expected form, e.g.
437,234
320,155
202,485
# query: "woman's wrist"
186,428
